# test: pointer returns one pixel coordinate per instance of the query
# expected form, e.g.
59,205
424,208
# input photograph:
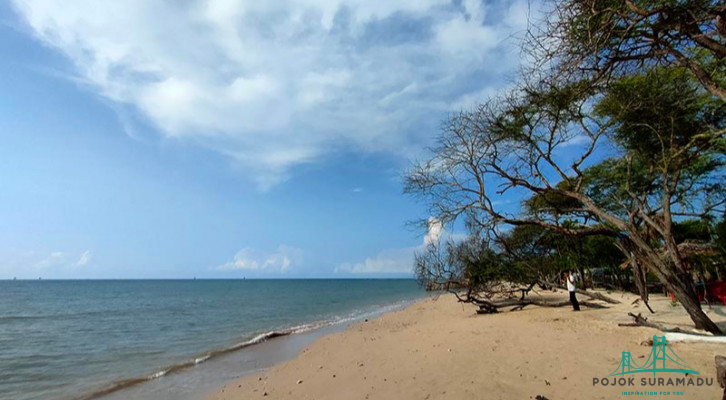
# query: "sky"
231,138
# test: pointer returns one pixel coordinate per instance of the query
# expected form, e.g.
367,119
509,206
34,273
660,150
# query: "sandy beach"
438,348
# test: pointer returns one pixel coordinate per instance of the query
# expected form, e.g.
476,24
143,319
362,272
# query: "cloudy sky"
230,138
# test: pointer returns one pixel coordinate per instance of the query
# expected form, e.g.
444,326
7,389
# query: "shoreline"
190,380
438,348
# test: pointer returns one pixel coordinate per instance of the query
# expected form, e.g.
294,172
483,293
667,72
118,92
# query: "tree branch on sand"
489,305
640,320
486,307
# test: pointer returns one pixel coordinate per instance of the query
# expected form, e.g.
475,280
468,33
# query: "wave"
20,317
125,383
4,318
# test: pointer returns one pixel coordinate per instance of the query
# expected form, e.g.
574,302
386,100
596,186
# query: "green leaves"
657,112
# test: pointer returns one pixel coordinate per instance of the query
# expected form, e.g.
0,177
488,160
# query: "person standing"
571,288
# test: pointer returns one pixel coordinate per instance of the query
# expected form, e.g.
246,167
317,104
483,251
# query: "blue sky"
151,139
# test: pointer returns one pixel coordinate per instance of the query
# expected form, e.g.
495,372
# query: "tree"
508,267
472,264
544,143
530,248
720,235
692,229
603,40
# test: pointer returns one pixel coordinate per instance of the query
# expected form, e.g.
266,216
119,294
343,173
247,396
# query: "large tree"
551,142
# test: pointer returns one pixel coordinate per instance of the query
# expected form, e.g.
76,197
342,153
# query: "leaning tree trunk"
681,285
685,292
676,280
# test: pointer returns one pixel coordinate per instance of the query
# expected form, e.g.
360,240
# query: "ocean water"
71,339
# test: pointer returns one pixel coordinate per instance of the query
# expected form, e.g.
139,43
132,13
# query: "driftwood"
640,320
491,307
721,373
524,291
596,296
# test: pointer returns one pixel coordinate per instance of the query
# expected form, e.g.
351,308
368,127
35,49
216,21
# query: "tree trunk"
641,282
686,295
677,281
580,267
581,272
681,285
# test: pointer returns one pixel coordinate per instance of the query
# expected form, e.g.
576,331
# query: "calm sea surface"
67,339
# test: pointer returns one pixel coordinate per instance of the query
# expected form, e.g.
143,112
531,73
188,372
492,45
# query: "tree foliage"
620,135
604,40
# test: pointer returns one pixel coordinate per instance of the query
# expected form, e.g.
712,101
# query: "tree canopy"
619,134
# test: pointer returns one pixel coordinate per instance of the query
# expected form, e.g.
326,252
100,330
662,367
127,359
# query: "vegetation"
616,143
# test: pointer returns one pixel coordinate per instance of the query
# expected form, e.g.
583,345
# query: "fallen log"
640,320
487,307
523,291
596,296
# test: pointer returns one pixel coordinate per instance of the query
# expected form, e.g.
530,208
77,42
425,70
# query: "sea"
176,339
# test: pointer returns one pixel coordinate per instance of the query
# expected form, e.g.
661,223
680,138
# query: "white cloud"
84,259
578,140
393,261
273,84
53,260
242,260
397,261
433,234
280,260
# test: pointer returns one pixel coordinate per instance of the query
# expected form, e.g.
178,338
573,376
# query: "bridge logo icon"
656,361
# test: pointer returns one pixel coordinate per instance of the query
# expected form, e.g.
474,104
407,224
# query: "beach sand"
440,349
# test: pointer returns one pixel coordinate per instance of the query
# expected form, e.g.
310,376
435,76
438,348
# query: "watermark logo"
662,358
656,361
